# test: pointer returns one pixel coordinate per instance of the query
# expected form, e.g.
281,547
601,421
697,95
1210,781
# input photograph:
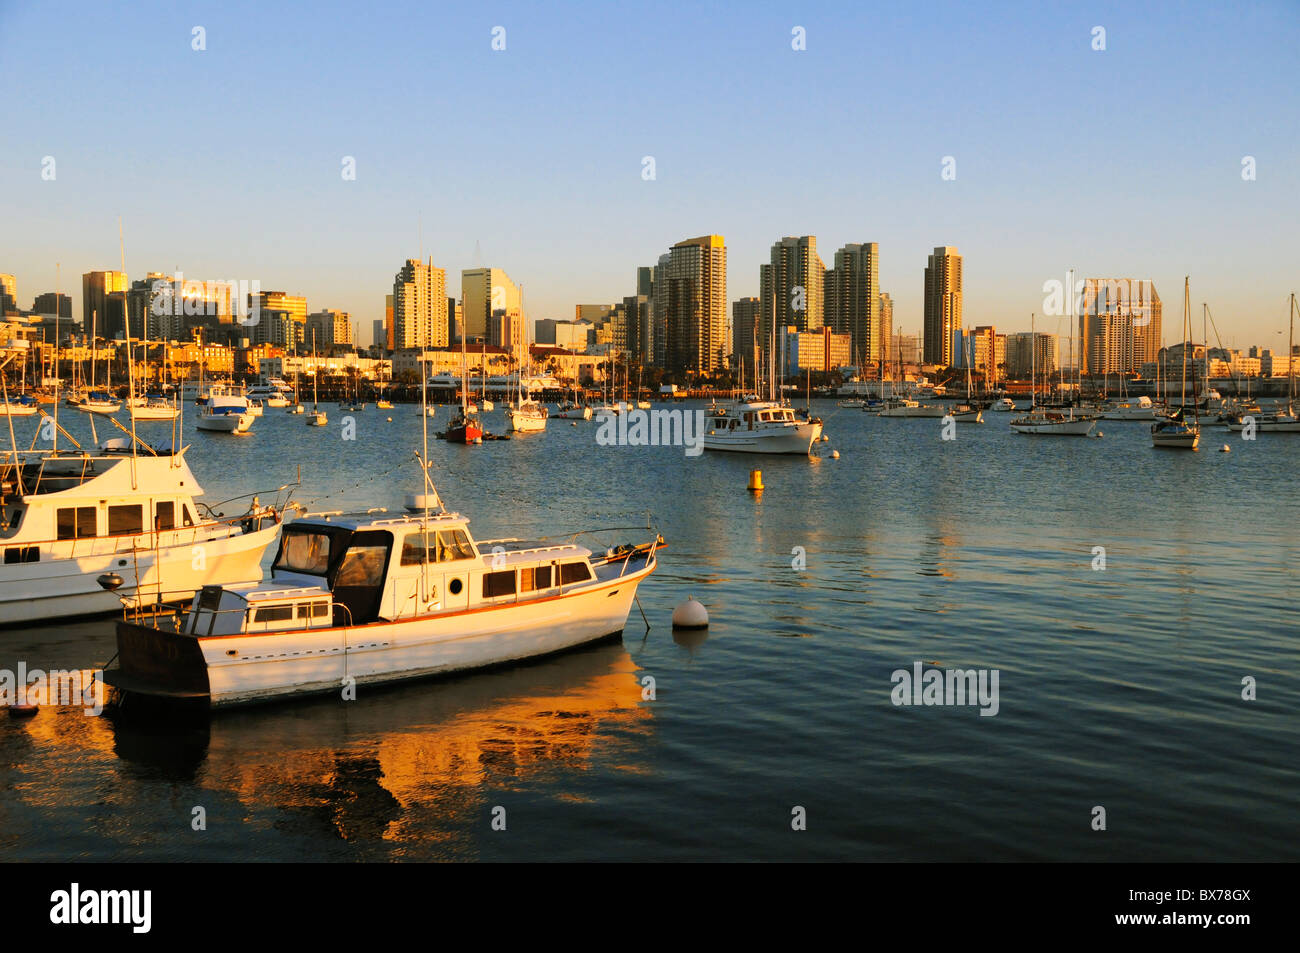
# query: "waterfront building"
420,306
694,287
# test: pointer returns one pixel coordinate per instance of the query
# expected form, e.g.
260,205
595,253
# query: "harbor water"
1138,607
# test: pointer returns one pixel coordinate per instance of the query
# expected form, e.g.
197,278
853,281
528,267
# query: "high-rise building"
506,329
420,306
853,299
636,311
483,292
1119,324
278,327
386,341
886,326
791,287
694,287
331,327
379,332
942,305
9,295
99,315
989,352
646,276
1032,351
746,319
52,302
659,312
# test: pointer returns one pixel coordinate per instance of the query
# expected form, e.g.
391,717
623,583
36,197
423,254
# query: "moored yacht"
69,518
359,600
759,426
225,412
1139,408
529,416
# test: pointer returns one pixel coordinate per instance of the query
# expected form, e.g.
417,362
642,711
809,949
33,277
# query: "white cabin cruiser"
1139,408
225,412
356,600
69,518
760,426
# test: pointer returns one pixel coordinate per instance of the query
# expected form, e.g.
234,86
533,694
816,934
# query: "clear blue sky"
226,163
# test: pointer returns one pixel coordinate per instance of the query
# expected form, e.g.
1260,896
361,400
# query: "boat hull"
60,588
225,423
247,669
1077,427
798,439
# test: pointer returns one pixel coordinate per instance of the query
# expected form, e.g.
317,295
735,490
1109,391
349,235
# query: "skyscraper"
98,316
854,300
53,303
942,305
746,315
791,288
331,327
1119,324
483,292
886,327
420,306
8,294
694,282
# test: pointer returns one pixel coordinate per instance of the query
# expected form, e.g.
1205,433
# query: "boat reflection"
418,762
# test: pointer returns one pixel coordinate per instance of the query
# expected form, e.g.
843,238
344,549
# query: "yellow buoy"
756,481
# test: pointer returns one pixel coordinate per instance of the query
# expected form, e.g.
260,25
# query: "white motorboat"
759,426
225,413
268,395
906,407
355,601
1005,406
965,414
70,518
1139,408
568,410
852,403
317,418
1281,421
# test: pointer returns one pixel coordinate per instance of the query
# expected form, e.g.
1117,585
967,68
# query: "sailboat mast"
1187,297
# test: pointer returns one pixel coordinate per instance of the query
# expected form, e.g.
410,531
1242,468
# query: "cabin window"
76,522
534,577
457,543
498,584
189,515
310,610
22,554
125,520
304,552
274,614
574,572
164,516
413,548
362,566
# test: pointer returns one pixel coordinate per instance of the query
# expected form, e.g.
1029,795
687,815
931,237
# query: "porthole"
455,586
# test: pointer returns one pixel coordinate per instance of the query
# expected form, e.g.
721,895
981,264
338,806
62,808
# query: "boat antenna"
130,360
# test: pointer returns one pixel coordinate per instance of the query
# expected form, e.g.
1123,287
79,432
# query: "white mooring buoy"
835,454
691,615
1225,449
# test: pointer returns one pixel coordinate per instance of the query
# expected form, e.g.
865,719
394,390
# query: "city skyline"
1031,137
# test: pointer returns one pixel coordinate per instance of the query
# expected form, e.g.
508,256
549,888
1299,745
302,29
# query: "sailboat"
525,414
296,406
1287,422
1048,422
464,427
968,412
1175,432
97,401
317,416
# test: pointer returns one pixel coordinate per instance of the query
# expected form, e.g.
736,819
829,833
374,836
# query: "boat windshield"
304,551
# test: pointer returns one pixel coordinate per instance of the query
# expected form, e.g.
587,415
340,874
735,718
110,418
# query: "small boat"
465,428
98,402
225,413
1139,408
296,409
568,410
759,426
1041,421
966,414
269,395
88,531
528,417
22,406
1281,421
382,404
1174,431
852,403
363,600
255,407
906,407
153,407
1005,406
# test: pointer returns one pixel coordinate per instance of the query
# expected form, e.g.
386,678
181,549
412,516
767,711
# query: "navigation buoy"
755,481
1225,449
573,423
690,615
835,454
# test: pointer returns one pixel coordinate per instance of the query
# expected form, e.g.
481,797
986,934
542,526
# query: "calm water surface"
1119,688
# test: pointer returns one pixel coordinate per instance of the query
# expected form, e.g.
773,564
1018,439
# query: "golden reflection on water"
416,763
